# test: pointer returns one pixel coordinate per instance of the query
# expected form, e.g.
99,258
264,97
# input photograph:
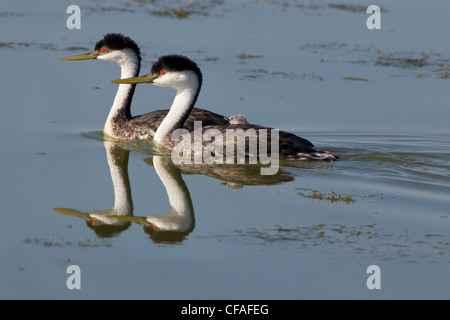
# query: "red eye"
161,72
102,50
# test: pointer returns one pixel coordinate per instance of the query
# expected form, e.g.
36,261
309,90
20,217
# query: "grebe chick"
237,119
120,124
183,74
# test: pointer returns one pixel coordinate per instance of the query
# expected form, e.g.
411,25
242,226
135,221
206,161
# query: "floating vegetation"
319,234
248,56
102,9
53,242
364,239
47,242
349,7
94,243
429,235
380,195
355,79
342,52
180,9
392,60
253,74
430,64
332,197
15,45
214,59
443,72
10,14
76,49
314,5
260,73
177,13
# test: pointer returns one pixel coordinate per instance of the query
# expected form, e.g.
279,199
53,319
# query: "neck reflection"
172,226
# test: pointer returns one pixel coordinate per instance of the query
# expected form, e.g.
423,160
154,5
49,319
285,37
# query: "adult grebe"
120,124
182,74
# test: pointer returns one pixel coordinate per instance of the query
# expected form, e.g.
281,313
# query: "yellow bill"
143,79
90,55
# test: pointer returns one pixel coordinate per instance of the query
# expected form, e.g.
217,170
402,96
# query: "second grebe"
182,74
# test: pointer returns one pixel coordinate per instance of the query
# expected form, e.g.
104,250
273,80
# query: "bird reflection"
175,225
179,221
106,223
235,176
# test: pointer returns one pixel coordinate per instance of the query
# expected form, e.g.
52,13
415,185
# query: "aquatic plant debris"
181,9
365,239
418,64
355,79
15,45
248,56
392,60
54,242
177,13
332,196
252,74
348,7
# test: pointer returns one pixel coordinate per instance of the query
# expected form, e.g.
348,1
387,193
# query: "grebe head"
114,47
174,71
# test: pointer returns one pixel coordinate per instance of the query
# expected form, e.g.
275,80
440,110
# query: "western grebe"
120,124
183,74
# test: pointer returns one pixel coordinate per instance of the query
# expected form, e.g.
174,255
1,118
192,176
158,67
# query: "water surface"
377,98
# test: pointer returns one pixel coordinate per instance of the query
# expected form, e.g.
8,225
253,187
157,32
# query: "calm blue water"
377,98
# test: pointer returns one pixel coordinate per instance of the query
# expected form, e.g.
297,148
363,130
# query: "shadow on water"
176,224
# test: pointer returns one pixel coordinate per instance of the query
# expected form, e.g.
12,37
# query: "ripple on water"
423,159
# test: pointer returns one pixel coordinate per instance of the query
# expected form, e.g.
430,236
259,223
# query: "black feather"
117,41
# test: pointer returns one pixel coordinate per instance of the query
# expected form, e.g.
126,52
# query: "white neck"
180,217
129,68
123,204
187,85
180,107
